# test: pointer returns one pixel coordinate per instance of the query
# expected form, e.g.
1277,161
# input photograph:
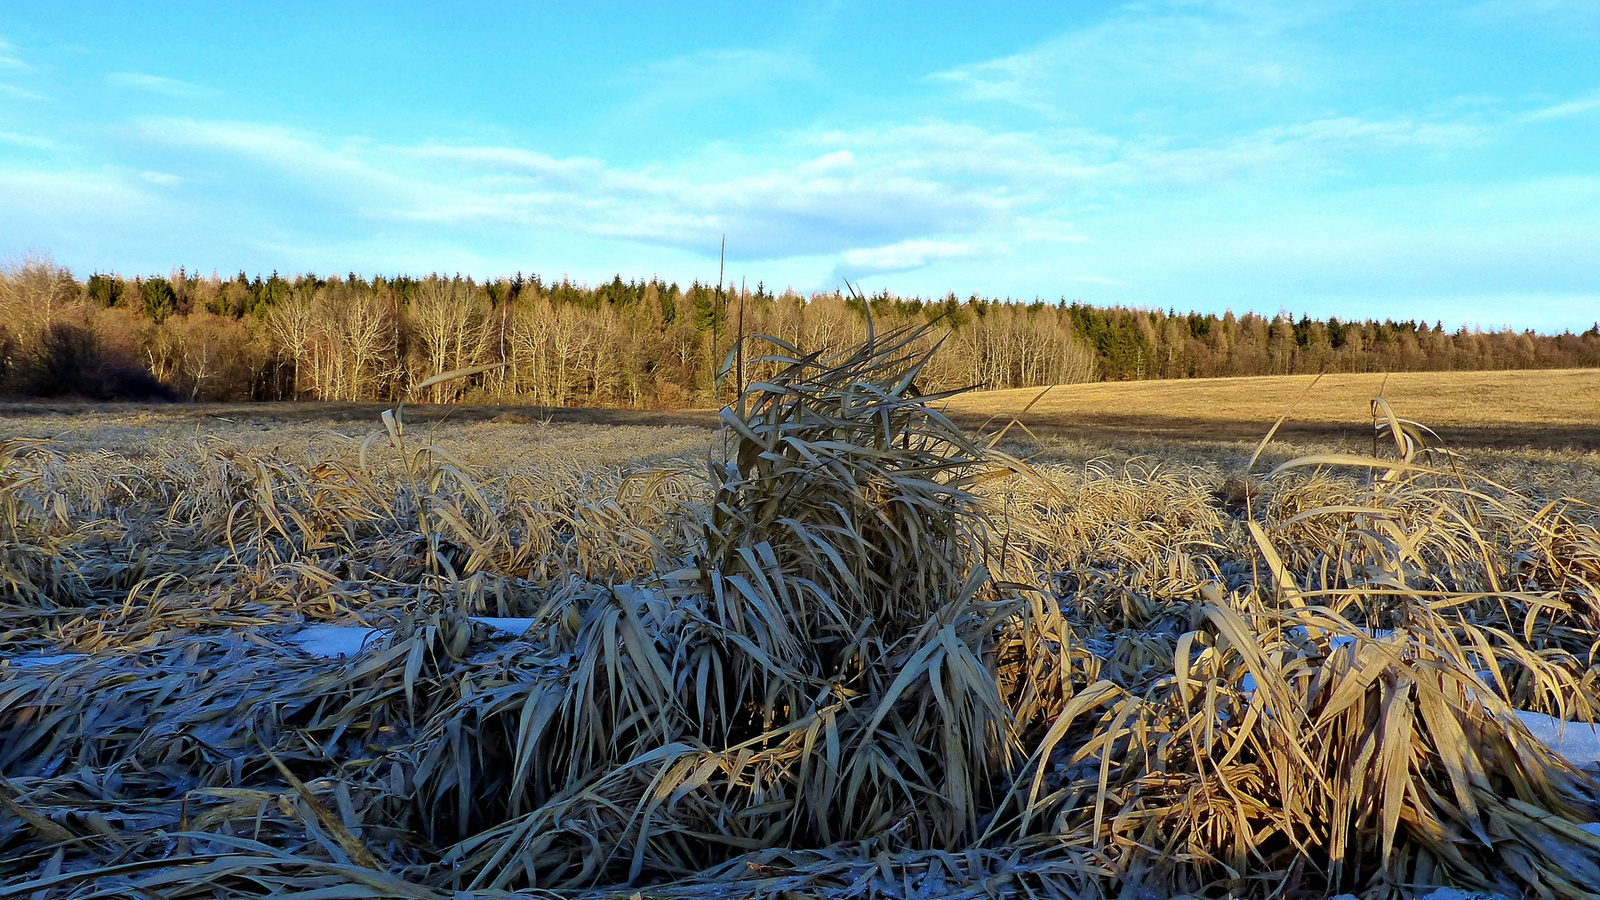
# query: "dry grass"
1551,409
859,654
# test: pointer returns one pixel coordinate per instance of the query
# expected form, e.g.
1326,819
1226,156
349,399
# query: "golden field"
833,647
1539,408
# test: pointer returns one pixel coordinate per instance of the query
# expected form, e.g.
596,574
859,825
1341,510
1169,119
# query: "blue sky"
1407,160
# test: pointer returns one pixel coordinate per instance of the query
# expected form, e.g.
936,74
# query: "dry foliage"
862,655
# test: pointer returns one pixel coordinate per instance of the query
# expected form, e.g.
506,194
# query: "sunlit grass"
848,650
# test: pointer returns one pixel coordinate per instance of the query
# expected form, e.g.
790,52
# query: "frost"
333,641
35,662
1578,742
507,626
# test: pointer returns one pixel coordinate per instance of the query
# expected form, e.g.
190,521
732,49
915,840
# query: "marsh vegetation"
852,650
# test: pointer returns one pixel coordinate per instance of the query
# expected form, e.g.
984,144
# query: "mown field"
1545,409
831,645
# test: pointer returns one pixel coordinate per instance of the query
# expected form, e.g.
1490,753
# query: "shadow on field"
1107,427
1111,428
331,413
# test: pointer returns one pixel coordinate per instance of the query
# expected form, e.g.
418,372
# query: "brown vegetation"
1508,409
860,654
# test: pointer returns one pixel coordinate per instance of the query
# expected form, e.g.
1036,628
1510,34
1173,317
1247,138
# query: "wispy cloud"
1147,55
31,141
901,257
11,90
776,208
1169,151
1577,107
718,72
11,63
1571,18
887,199
157,84
8,56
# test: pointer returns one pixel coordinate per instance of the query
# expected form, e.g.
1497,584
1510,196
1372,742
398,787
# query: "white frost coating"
333,641
1343,640
34,662
508,626
1450,893
1335,641
1577,741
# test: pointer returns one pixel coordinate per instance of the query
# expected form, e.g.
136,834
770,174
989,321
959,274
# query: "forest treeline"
633,343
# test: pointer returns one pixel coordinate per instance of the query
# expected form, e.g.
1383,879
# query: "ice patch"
1577,741
333,641
336,641
1345,640
1335,641
36,662
506,626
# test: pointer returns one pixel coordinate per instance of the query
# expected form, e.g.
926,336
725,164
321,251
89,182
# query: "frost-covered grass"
861,654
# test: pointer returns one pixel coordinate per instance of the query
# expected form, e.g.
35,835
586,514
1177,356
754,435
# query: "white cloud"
1149,55
769,208
1577,107
157,84
8,56
837,161
20,93
903,256
18,139
1176,153
719,72
1316,147
893,198
1570,18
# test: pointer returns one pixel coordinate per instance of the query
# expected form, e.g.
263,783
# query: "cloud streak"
157,84
894,198
9,58
831,204
1185,152
1577,107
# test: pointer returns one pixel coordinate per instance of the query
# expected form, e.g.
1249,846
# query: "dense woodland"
633,343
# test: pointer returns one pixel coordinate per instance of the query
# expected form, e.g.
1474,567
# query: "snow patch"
1577,741
35,662
333,641
337,641
1344,640
507,626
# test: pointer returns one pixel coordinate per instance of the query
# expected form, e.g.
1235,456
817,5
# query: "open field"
1538,429
1535,409
1546,409
249,651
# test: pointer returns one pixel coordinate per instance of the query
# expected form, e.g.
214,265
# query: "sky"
1407,160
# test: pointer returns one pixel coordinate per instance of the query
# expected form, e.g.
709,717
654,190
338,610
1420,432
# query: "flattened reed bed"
859,654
